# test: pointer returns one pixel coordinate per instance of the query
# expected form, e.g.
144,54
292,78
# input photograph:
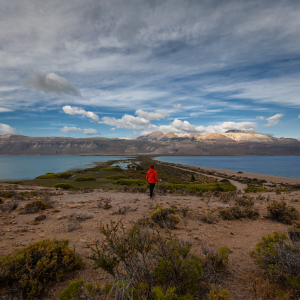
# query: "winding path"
238,185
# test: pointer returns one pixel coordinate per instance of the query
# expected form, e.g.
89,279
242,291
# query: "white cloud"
86,131
274,120
151,116
299,117
177,106
260,118
127,121
4,128
78,111
179,126
113,128
51,83
2,109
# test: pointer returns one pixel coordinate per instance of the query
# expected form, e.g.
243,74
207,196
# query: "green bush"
294,232
53,175
149,258
85,179
224,187
254,189
165,217
244,201
65,186
7,194
130,182
30,269
209,217
34,207
282,213
116,177
113,169
237,212
280,260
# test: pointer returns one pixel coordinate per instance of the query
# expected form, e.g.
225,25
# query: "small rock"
41,235
83,240
231,233
8,230
40,218
59,217
197,238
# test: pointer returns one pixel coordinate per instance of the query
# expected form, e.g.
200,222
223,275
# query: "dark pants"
152,185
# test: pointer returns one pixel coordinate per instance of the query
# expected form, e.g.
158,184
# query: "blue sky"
129,67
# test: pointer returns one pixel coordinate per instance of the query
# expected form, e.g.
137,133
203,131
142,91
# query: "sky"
124,68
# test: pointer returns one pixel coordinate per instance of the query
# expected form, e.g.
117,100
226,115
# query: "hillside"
230,143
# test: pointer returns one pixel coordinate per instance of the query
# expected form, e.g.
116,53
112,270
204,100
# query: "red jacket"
152,176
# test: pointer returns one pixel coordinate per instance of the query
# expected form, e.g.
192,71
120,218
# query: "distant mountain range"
232,142
227,137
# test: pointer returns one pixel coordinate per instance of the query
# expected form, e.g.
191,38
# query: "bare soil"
241,236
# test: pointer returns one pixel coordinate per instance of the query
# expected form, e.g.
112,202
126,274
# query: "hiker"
151,179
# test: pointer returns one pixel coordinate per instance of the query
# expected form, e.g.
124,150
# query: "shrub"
118,289
28,270
237,212
280,260
224,187
282,213
244,201
113,169
216,294
34,207
116,177
209,217
85,179
165,217
294,232
130,182
7,194
149,257
65,186
53,175
10,206
254,189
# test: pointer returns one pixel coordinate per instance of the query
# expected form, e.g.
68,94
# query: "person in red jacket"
151,178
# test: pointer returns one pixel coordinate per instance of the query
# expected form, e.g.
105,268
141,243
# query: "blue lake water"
286,166
18,167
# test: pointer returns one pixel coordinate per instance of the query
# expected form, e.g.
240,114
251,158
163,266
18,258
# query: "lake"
18,167
285,166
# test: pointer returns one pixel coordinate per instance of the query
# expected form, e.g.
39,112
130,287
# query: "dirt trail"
239,186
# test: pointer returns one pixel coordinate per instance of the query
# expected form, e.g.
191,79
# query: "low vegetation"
53,175
65,186
34,207
254,189
157,264
221,187
131,182
237,212
279,258
112,169
85,179
116,177
30,269
281,212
